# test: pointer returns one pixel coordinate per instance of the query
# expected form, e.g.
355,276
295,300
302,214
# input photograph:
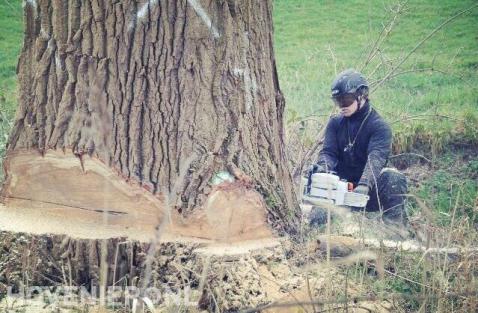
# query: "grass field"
10,44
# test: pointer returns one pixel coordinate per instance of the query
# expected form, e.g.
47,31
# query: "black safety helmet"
349,82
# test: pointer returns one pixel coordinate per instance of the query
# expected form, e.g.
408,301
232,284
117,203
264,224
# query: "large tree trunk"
158,94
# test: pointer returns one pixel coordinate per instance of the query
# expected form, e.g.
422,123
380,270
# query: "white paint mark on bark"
43,34
238,71
50,46
58,62
203,15
248,85
33,3
143,10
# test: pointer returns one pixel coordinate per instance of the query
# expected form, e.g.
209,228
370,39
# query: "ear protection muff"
362,93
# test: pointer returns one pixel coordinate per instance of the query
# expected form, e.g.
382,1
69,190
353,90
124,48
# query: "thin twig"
428,69
384,33
298,170
309,292
422,117
411,154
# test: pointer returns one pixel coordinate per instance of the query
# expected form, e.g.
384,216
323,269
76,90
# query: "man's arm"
328,156
378,151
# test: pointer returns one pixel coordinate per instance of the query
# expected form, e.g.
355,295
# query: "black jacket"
369,153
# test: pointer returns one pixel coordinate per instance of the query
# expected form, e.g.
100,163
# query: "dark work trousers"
389,197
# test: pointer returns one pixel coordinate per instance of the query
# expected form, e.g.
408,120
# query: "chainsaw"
328,188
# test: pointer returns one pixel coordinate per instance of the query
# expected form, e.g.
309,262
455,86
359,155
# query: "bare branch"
420,43
411,154
384,33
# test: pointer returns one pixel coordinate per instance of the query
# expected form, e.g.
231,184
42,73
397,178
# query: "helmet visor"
344,101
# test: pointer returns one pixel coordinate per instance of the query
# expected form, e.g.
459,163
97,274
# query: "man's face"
348,111
347,103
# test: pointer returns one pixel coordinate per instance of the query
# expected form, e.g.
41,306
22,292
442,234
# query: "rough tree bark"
151,88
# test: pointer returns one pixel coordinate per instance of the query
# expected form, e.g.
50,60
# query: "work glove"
316,168
362,189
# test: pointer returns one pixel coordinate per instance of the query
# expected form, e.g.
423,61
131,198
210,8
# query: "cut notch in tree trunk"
56,193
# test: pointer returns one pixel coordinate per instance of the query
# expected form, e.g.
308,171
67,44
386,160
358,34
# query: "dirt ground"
272,273
272,276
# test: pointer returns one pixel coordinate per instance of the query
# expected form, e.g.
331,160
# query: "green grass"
452,184
10,45
316,39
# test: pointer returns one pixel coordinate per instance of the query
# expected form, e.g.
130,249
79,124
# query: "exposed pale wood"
56,193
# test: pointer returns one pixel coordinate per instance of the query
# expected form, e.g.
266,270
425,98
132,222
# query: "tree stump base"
196,274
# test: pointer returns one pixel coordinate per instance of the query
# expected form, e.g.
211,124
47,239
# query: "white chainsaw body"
329,188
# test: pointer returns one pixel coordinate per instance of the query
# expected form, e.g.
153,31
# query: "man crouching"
356,147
